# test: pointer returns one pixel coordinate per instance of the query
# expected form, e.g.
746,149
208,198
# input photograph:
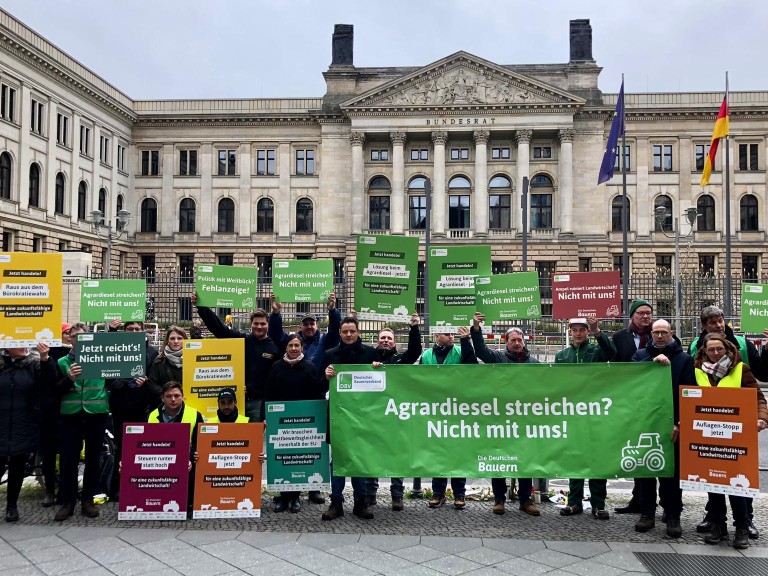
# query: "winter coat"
292,382
603,351
680,362
498,356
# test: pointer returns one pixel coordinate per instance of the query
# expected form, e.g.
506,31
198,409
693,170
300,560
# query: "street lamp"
96,219
690,216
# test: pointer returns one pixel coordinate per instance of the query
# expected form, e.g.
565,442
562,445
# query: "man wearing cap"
227,411
314,344
628,341
514,353
582,351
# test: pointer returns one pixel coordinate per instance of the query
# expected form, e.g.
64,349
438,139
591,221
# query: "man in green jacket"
582,351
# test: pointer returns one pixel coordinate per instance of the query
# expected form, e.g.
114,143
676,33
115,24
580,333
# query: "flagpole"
624,215
728,296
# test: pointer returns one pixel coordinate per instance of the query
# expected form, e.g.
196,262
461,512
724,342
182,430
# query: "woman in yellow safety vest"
718,363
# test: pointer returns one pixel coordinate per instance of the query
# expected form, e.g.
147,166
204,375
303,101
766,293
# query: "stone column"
523,137
397,200
480,204
283,202
439,213
357,139
243,206
565,167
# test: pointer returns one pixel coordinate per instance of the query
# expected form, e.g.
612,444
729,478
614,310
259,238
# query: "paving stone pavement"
417,541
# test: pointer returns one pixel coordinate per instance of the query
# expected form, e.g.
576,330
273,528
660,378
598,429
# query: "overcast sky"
169,49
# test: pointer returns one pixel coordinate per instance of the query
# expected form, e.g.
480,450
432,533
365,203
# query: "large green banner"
508,296
104,300
754,308
302,280
452,273
225,286
385,277
495,420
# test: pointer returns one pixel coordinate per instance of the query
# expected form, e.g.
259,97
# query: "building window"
707,264
119,203
750,264
705,206
379,155
618,263
338,270
305,162
458,212
265,215
104,149
58,205
616,214
5,175
37,244
500,154
63,245
7,102
38,115
749,214
499,205
663,201
62,129
225,259
702,151
187,213
417,213
150,162
545,270
502,267
226,215
265,162
542,152
185,308
103,201
148,215
34,185
378,212
585,264
304,216
85,140
541,202
459,153
186,268
664,265
147,263
187,162
7,241
82,200
121,158
419,154
662,158
748,156
227,163
627,162
264,264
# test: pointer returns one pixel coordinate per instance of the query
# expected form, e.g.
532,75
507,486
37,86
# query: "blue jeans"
499,486
458,485
338,483
395,488
254,410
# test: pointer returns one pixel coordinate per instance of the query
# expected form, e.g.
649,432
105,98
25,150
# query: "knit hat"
636,304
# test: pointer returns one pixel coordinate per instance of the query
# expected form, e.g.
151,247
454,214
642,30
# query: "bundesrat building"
244,181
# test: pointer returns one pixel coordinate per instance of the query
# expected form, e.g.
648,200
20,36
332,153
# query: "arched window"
379,190
82,200
749,215
705,206
58,207
265,215
541,202
187,215
5,175
103,201
226,215
34,185
616,206
499,203
304,216
148,215
459,204
459,182
663,201
119,203
417,203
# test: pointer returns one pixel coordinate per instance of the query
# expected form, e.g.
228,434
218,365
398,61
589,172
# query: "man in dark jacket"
351,350
665,350
260,353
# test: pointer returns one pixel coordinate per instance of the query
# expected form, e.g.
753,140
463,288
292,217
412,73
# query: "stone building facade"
244,181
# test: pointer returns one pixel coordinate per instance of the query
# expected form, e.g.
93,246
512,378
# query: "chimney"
343,43
581,41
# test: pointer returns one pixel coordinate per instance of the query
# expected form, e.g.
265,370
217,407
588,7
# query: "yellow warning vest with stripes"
731,380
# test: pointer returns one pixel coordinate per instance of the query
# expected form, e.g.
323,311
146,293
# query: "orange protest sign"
718,440
228,474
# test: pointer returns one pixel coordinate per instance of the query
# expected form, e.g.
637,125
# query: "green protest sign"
105,300
452,273
522,420
104,355
754,308
508,296
225,286
385,277
297,453
302,280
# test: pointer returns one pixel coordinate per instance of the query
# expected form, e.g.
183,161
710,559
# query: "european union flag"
612,147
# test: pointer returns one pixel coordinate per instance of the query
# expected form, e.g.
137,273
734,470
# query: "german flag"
720,131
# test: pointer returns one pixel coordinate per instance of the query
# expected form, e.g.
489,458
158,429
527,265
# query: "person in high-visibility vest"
718,363
227,411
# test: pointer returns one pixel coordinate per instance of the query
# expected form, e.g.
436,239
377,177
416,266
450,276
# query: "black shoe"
754,533
49,500
12,514
673,527
362,511
645,523
397,503
315,498
705,525
281,505
296,505
335,510
89,510
718,533
64,512
370,500
632,507
740,539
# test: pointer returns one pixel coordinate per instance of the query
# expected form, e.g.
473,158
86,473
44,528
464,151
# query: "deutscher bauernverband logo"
361,382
